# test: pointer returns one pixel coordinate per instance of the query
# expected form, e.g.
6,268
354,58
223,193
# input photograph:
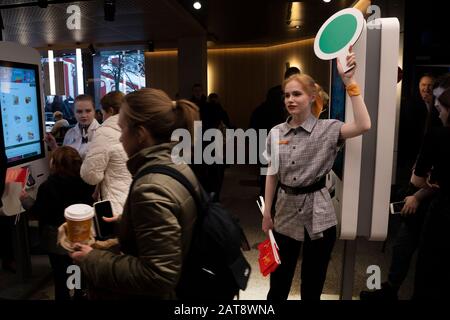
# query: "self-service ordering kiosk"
22,132
362,175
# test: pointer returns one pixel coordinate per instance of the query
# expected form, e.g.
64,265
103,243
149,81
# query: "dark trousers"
432,280
6,244
405,245
59,264
316,255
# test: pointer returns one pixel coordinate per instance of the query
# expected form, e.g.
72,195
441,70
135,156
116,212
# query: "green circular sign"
338,33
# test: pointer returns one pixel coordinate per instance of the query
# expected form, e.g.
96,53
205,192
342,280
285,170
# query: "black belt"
302,190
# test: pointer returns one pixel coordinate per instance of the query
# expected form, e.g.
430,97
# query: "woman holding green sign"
304,213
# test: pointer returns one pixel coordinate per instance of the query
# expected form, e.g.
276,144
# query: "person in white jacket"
105,162
80,136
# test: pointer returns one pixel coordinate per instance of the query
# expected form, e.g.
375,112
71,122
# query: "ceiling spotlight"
92,50
297,27
110,9
326,1
43,3
197,5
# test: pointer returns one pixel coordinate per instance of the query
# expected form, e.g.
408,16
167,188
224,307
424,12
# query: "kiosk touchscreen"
22,125
21,116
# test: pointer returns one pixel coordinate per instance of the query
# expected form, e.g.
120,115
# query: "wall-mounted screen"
21,112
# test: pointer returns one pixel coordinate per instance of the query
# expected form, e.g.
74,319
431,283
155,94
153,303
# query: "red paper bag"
268,257
19,175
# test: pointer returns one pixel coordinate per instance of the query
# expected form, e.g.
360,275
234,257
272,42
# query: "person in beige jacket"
159,214
105,164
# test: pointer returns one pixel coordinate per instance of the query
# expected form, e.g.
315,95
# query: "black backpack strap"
175,174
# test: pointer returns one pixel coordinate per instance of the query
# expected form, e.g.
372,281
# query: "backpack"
214,268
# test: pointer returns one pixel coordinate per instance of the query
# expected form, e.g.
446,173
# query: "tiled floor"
239,196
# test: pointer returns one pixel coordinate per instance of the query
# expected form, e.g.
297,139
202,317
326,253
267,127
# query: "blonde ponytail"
320,102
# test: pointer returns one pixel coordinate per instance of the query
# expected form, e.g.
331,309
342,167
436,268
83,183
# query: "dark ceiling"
162,21
262,21
227,22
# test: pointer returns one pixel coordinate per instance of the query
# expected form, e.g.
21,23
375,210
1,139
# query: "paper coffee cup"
79,222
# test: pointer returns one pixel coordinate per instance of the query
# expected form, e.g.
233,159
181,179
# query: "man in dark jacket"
210,175
417,202
413,125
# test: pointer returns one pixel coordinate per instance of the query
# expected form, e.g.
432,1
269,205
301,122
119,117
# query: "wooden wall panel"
299,54
241,76
161,71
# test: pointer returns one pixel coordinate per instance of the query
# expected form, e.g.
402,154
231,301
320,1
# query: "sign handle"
342,57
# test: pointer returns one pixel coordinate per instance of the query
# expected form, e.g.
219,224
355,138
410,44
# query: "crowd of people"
155,215
424,153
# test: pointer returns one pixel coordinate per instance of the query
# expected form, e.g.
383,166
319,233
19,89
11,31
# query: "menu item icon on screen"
17,119
27,100
15,100
30,135
29,118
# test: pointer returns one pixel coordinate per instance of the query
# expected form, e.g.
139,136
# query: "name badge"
283,142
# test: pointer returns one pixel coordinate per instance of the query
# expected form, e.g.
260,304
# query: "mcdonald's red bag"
269,260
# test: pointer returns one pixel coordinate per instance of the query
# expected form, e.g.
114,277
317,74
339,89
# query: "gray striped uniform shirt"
306,154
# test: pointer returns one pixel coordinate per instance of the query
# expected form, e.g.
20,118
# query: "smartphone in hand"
104,230
396,207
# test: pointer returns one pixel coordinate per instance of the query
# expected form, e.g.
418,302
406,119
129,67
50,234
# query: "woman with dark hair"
159,214
63,188
432,277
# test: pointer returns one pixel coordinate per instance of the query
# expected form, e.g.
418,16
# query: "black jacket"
2,169
56,194
2,165
415,122
434,157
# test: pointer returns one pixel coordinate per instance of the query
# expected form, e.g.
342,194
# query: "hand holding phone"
411,205
111,219
104,230
396,207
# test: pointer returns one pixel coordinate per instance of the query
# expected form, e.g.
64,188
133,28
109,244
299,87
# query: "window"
122,71
66,83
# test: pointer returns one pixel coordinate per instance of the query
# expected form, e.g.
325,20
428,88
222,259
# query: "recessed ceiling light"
297,27
326,1
197,5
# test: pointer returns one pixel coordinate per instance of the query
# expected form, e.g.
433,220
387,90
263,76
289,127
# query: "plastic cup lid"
79,212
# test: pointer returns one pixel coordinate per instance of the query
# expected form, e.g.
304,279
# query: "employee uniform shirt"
306,154
74,138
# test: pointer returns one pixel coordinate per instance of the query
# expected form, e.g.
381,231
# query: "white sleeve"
96,160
